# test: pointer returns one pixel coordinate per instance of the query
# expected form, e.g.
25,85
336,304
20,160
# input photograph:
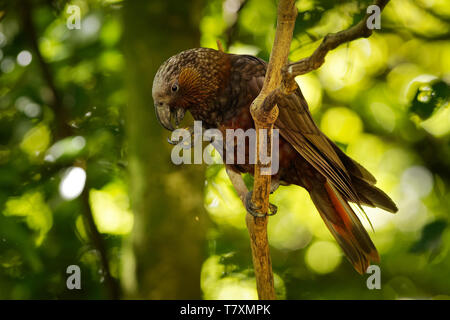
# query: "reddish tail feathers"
345,226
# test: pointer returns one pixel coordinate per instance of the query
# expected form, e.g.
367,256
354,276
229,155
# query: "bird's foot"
253,210
186,146
273,209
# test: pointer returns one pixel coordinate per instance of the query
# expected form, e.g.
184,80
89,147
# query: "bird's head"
186,81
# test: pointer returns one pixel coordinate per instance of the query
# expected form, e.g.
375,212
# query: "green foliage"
384,100
429,98
41,231
431,239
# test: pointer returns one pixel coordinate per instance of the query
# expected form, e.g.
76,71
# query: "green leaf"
431,238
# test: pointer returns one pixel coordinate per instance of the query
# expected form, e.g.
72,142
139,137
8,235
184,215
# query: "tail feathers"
345,227
372,196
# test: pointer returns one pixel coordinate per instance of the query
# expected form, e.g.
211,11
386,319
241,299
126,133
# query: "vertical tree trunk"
169,228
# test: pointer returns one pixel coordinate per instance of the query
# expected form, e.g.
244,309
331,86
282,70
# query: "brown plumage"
218,88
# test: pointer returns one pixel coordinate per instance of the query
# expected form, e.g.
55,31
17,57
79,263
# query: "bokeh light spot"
72,183
323,257
111,209
341,124
24,58
417,182
36,140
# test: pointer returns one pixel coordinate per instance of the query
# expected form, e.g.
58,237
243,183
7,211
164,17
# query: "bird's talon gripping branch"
170,141
273,209
250,206
253,210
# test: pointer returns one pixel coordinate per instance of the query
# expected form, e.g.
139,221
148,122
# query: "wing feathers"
298,128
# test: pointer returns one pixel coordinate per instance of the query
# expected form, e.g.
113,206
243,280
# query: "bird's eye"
174,87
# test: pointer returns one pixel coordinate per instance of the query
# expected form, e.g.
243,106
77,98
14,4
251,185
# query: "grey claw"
187,147
273,209
250,207
171,141
253,210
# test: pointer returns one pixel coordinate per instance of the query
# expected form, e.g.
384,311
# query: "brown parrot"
218,89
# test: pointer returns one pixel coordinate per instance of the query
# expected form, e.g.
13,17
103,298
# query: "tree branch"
259,243
330,42
264,117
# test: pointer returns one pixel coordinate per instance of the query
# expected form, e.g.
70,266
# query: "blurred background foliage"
85,171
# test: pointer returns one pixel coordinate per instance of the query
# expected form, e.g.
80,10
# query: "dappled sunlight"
439,124
381,220
218,286
287,232
68,147
342,69
347,68
24,58
400,78
412,215
341,125
416,182
224,282
384,115
374,52
222,202
81,228
111,209
90,26
297,210
323,257
111,32
235,288
410,16
81,74
72,183
212,25
32,207
290,229
334,20
255,16
30,108
36,141
80,143
52,49
111,61
239,48
368,150
311,89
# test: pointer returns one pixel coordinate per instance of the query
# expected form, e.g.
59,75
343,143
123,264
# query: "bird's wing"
298,128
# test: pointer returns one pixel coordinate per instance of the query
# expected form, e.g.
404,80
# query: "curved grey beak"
164,115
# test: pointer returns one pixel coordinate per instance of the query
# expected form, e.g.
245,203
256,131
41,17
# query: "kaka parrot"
218,88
